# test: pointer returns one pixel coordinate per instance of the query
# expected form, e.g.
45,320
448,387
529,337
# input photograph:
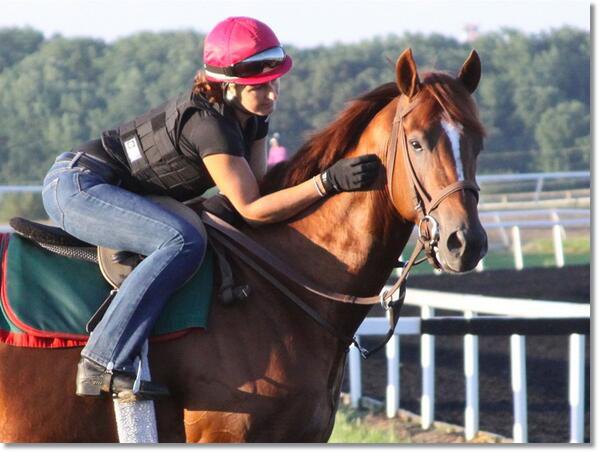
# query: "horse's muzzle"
463,248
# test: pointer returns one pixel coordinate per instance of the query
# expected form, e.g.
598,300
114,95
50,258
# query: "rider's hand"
351,174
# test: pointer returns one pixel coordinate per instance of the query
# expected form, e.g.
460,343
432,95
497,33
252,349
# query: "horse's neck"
350,245
343,245
347,243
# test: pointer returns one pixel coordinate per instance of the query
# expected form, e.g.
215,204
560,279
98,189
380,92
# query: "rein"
236,242
251,252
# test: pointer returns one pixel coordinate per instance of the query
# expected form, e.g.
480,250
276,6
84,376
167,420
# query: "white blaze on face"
453,133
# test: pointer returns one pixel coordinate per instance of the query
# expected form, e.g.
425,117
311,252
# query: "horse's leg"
38,401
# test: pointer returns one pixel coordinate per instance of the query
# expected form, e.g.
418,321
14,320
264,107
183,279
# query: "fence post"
558,247
355,375
538,188
517,244
504,238
471,415
427,362
518,359
576,388
392,352
555,217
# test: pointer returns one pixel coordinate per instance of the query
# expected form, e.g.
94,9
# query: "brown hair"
213,91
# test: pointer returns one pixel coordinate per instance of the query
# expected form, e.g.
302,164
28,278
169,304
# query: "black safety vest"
150,144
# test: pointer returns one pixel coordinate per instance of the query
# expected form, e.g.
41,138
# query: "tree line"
55,93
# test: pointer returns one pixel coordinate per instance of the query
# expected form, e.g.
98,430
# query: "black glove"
351,174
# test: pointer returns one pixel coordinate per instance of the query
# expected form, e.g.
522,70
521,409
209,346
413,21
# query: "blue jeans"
88,205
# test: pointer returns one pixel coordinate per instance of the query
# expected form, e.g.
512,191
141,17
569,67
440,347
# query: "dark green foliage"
534,96
563,135
16,44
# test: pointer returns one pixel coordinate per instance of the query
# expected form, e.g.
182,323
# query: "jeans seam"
58,206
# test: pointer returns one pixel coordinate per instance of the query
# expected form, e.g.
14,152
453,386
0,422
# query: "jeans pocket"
50,201
86,179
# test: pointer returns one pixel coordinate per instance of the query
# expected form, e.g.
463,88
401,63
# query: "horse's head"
431,170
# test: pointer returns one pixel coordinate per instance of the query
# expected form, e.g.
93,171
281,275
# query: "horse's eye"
416,145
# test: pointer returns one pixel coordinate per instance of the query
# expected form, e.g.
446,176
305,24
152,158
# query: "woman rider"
213,135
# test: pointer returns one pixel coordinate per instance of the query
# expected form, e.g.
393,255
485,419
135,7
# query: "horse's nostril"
456,242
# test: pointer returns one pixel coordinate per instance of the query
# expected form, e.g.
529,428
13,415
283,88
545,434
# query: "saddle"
116,265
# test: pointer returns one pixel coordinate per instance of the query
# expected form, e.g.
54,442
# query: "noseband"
424,204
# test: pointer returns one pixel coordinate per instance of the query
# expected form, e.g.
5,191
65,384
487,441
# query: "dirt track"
546,363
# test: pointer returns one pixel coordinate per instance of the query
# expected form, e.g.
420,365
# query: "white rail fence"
533,317
557,227
538,179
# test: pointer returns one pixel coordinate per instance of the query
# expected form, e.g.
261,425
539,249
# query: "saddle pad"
47,299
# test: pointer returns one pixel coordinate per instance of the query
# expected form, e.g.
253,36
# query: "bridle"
424,204
255,255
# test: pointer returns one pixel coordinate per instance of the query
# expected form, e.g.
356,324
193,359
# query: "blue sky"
304,23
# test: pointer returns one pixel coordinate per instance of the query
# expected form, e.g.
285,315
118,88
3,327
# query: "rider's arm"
258,158
222,152
235,179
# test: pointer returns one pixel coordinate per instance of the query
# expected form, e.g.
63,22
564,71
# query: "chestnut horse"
263,371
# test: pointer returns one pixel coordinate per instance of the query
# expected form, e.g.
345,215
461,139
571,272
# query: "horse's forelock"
443,89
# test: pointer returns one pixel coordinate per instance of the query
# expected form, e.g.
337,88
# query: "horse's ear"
407,75
470,72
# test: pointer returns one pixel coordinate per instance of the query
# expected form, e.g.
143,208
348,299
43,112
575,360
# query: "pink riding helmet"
244,50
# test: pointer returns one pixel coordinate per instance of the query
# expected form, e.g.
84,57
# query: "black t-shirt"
205,135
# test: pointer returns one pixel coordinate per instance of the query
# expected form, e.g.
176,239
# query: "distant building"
471,32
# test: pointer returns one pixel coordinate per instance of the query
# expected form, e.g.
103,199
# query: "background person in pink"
276,153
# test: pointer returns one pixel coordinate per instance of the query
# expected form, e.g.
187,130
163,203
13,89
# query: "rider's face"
259,100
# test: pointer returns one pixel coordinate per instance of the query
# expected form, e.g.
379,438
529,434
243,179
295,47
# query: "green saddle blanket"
47,299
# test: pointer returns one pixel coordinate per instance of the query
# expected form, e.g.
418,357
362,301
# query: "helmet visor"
254,65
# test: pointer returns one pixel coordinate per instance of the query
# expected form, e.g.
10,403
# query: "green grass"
350,428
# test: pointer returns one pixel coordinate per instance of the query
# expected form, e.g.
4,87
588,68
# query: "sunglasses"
254,65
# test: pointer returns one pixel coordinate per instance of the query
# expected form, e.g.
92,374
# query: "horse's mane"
327,146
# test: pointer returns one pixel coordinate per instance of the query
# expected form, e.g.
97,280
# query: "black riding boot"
93,380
